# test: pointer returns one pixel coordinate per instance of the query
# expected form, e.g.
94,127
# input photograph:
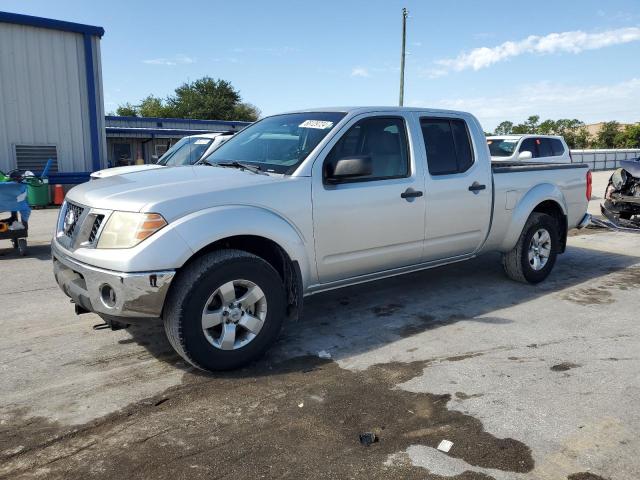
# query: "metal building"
137,140
51,101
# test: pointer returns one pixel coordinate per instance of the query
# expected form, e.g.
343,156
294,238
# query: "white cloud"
563,42
175,60
360,72
589,103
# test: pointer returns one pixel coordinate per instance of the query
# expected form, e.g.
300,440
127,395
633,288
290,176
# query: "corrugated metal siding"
175,123
44,95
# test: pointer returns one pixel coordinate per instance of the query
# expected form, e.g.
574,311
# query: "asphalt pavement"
528,382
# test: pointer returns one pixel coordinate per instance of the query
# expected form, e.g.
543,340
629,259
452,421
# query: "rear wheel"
224,310
534,256
22,246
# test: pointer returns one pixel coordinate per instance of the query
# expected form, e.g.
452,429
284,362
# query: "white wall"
43,95
604,159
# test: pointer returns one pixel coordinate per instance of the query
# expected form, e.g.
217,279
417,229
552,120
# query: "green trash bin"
37,191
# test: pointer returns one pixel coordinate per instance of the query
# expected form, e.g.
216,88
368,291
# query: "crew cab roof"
519,136
358,110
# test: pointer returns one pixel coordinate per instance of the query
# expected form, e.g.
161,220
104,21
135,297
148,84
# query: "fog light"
108,295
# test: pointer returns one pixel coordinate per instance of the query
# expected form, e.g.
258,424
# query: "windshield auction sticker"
319,124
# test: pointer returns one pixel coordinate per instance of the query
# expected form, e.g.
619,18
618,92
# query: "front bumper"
114,294
613,221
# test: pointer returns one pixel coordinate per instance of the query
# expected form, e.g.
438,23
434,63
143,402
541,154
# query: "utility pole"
405,13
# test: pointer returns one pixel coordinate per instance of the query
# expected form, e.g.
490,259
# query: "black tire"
189,292
22,246
516,262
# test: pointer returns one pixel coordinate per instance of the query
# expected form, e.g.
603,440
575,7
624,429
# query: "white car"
540,148
186,151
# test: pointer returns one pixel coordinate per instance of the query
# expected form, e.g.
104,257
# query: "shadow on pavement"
40,252
361,318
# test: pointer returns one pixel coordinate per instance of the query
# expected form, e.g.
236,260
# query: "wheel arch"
543,198
254,230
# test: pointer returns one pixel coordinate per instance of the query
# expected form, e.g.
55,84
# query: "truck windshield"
279,143
502,147
186,152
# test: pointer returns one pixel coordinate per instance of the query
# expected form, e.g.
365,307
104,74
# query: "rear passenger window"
557,147
544,147
529,145
448,145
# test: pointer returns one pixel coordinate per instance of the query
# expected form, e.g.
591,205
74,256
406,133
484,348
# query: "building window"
122,153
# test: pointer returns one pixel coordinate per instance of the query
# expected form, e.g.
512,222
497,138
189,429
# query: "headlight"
619,178
127,229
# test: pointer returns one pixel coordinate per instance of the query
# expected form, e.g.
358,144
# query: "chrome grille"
95,228
71,217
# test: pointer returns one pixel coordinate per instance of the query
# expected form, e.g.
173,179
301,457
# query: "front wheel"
224,310
533,257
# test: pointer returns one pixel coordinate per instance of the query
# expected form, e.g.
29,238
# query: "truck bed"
562,182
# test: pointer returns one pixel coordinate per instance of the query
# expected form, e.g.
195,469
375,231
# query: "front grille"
71,217
94,229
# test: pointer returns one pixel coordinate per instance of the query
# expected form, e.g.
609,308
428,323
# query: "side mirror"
350,167
525,155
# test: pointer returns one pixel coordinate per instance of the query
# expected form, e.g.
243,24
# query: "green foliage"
154,107
127,110
205,99
580,139
504,128
530,126
629,137
573,130
608,135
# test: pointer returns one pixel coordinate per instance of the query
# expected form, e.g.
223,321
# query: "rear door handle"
476,187
411,193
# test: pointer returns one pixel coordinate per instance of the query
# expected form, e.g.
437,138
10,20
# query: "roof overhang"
19,19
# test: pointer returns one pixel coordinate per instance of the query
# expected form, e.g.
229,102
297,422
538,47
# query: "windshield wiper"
240,165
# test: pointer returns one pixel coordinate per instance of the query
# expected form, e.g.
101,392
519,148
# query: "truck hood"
172,191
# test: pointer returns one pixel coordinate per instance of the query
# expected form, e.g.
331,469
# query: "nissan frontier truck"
224,252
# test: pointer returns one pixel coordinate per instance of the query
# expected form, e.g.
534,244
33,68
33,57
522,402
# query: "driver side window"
383,139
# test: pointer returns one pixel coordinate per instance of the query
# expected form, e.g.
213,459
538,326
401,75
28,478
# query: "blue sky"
499,60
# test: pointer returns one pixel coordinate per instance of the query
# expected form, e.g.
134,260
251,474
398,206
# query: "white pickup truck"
300,203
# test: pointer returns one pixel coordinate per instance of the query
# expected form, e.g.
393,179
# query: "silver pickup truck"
300,203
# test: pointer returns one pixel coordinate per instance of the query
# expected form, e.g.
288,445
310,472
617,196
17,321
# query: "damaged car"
622,196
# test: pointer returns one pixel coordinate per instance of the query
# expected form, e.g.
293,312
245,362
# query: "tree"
247,110
580,138
209,99
606,136
548,127
629,137
153,107
127,110
205,99
504,128
529,126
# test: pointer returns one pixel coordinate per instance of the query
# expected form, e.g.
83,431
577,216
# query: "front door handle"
475,187
411,193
